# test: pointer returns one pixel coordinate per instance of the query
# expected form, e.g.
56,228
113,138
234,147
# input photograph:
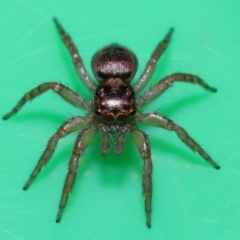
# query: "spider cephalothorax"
114,100
114,110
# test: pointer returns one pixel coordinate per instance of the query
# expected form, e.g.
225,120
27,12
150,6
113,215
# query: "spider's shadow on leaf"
51,116
177,105
112,169
181,153
41,115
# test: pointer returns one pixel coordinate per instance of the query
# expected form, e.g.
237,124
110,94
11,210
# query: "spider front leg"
81,143
119,146
167,82
63,91
77,60
141,140
151,65
106,139
73,124
159,120
105,144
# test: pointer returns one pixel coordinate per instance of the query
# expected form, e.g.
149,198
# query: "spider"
113,110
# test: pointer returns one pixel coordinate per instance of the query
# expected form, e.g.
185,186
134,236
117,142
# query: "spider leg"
81,143
77,60
73,124
167,82
66,93
151,65
159,120
141,140
119,146
105,144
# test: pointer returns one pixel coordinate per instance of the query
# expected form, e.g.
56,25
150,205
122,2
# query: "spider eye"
99,92
97,112
132,113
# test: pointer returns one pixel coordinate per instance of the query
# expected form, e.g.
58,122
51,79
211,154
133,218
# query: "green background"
191,200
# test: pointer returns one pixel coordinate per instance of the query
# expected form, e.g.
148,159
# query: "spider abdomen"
114,61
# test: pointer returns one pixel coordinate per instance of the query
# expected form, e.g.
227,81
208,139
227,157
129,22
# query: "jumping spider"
114,110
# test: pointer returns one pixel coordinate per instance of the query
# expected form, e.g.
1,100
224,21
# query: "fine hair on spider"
114,110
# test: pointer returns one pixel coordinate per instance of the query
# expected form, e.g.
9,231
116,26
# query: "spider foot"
211,89
59,216
215,165
7,116
148,222
27,185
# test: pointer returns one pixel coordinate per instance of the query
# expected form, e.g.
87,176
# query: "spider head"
114,100
114,61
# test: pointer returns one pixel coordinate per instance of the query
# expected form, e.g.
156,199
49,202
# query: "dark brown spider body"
114,110
114,100
114,61
114,66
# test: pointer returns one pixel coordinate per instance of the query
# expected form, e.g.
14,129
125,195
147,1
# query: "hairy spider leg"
82,141
151,64
89,128
152,93
63,91
159,120
76,58
141,140
105,142
119,146
119,141
73,124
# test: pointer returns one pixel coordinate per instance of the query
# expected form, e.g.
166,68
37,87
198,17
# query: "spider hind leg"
82,141
141,140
